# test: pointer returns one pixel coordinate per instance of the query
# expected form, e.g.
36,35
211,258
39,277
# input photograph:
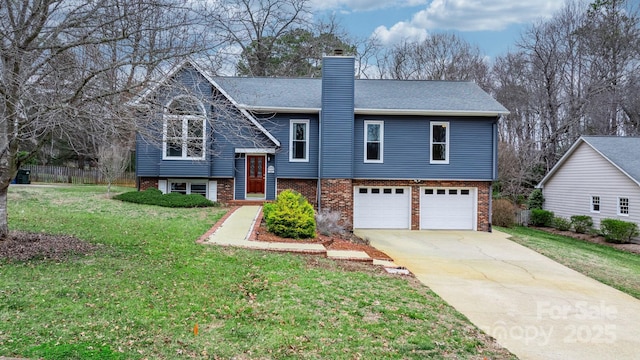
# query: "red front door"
255,174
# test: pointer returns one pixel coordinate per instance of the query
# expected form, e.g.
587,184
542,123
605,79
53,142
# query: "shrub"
503,213
291,216
328,222
536,199
541,217
581,223
618,231
562,224
154,196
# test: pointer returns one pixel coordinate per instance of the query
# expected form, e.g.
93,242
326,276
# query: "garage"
448,208
378,207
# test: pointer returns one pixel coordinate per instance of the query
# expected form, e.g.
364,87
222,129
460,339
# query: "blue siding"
240,175
279,126
147,158
337,117
407,153
271,180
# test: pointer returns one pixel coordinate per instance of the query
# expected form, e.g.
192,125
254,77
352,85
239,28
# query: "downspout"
495,171
319,186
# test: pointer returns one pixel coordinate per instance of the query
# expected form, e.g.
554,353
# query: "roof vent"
338,52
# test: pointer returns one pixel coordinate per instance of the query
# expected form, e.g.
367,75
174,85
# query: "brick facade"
337,195
225,190
307,187
145,183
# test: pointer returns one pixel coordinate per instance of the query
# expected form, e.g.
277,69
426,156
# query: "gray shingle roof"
624,152
377,95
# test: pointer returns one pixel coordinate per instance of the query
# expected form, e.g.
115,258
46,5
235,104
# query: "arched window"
184,129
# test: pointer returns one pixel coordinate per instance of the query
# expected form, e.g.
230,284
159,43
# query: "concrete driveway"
533,306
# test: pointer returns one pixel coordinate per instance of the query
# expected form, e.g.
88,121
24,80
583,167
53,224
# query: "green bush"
290,216
561,223
541,217
582,223
154,196
536,199
618,231
503,213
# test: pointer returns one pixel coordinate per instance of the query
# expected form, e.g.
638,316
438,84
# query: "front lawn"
616,268
142,292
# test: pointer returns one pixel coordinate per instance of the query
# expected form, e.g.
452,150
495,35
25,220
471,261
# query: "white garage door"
448,208
382,208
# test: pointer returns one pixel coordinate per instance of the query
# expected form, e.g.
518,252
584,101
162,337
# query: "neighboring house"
599,176
385,153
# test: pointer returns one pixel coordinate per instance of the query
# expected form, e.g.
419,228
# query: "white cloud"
477,15
363,5
399,32
467,15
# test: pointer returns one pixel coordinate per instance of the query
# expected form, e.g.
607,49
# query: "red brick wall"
337,195
225,190
146,183
483,196
307,187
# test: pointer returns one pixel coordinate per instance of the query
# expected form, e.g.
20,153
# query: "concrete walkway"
533,306
236,231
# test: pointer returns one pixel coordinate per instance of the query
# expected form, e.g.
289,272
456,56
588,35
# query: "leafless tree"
255,26
63,62
113,159
442,56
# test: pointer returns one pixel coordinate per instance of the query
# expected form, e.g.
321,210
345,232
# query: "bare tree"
442,56
63,62
256,26
113,159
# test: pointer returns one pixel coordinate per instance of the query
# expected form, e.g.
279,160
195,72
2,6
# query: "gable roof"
402,97
138,100
621,152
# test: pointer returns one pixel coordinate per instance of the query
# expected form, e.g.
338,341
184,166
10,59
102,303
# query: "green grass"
142,293
616,268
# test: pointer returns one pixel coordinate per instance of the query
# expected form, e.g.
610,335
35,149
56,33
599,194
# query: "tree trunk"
4,226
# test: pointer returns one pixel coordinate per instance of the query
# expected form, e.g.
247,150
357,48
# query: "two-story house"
385,153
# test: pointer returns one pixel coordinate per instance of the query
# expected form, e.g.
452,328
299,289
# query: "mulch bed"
334,242
596,239
24,246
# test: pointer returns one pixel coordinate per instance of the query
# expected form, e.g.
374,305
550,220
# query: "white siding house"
599,176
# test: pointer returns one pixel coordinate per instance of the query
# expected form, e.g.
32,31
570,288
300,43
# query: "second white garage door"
448,208
382,208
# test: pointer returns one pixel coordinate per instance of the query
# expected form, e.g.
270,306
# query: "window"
439,142
595,204
299,140
184,129
188,187
464,192
623,206
373,141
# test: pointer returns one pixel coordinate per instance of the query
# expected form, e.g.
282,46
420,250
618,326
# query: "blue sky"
493,25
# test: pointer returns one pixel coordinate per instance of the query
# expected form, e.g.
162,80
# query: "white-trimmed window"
373,141
439,142
188,187
184,129
595,204
299,141
623,206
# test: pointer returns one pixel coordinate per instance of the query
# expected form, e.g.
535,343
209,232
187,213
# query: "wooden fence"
522,217
61,174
